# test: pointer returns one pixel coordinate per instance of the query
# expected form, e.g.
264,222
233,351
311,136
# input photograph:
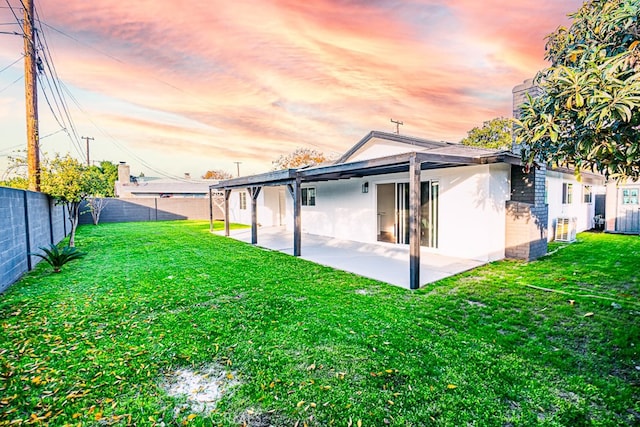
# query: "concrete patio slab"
381,261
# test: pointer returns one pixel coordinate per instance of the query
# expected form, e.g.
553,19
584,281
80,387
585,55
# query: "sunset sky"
187,86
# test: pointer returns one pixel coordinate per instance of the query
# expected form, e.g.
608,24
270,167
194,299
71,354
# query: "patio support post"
210,210
296,193
414,222
254,192
227,194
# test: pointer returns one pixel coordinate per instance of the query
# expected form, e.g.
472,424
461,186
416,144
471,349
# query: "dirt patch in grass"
202,389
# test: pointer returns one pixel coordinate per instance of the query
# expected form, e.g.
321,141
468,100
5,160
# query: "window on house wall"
567,193
587,194
243,200
309,196
630,196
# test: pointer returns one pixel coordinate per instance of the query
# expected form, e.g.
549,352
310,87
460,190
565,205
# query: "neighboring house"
128,186
623,207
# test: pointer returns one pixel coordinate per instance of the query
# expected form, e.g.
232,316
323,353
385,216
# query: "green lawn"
305,344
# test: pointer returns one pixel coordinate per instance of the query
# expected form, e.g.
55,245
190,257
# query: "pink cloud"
265,77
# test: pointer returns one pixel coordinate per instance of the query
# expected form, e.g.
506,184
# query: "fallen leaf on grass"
451,386
589,314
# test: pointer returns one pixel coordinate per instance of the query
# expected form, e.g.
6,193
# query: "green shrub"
57,258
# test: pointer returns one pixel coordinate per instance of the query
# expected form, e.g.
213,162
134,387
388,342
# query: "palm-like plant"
57,258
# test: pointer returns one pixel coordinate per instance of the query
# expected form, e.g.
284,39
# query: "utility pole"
238,167
398,123
31,94
87,138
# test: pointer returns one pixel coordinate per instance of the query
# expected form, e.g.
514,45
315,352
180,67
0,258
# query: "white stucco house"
433,196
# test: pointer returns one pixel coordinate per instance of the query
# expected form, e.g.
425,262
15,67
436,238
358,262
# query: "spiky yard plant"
57,258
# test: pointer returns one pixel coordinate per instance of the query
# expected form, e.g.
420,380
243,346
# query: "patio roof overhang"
412,162
434,159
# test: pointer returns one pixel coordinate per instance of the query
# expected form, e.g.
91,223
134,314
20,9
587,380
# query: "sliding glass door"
429,194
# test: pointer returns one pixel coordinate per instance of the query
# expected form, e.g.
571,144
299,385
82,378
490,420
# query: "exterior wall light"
365,187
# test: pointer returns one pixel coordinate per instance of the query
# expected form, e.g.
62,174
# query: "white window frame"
587,194
309,196
567,193
630,196
243,201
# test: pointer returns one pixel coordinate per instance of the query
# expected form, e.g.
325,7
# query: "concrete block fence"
152,209
28,220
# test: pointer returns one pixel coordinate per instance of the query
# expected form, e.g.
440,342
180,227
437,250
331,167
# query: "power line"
15,16
12,64
81,42
54,87
59,120
12,83
117,143
53,133
65,89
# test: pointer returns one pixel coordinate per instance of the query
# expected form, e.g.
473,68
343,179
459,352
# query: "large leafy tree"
218,174
494,133
101,181
69,183
588,116
299,158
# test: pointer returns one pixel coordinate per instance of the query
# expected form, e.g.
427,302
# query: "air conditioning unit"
566,229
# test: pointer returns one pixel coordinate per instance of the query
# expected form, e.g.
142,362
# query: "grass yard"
293,343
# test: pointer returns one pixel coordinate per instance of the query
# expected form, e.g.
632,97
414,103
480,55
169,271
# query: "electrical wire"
59,120
54,86
75,39
12,64
14,15
12,83
65,89
8,149
53,133
60,84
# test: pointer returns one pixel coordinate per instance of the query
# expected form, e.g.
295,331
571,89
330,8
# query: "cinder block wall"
28,220
153,209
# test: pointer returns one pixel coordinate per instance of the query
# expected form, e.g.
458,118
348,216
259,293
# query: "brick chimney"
124,174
